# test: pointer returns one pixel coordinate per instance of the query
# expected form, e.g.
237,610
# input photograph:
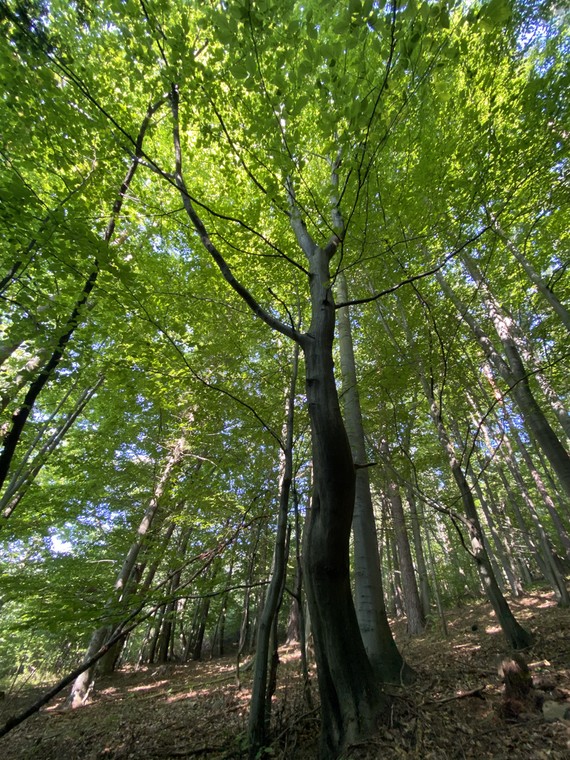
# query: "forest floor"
454,710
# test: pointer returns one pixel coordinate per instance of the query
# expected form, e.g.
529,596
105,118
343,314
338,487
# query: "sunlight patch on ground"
149,686
192,694
467,647
493,629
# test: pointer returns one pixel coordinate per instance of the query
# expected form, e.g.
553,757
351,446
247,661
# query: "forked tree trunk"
351,699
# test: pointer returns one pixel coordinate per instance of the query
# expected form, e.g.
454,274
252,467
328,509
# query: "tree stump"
520,700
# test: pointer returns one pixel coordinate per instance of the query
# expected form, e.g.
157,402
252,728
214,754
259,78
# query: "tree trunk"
548,561
123,587
424,589
351,699
533,275
514,374
201,629
502,552
515,634
369,594
47,371
551,507
412,605
258,717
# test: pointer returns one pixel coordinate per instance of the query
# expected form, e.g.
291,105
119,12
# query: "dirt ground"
455,710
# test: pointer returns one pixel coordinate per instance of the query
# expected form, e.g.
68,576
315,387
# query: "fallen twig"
460,695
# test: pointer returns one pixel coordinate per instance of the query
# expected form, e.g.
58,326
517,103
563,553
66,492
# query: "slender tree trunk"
369,594
512,337
245,624
551,507
46,372
201,629
412,604
398,608
423,581
503,561
502,545
22,478
258,717
533,275
514,374
220,632
515,634
298,598
547,559
122,589
169,620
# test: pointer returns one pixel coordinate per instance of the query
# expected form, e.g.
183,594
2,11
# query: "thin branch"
200,228
416,277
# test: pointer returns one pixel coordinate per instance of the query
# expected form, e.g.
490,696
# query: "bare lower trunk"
515,634
424,588
412,605
260,695
80,689
369,594
128,576
351,700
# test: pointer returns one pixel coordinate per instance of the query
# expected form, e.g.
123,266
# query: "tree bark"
533,275
412,605
351,699
46,372
514,374
121,589
258,718
369,594
423,580
516,635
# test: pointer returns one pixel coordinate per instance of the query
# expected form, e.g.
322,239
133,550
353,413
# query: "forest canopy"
284,338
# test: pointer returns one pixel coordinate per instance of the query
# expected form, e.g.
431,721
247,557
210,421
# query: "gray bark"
548,560
533,275
514,374
351,699
258,727
423,580
412,605
80,687
516,635
369,594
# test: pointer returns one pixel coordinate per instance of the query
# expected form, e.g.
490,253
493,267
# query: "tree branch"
416,277
200,228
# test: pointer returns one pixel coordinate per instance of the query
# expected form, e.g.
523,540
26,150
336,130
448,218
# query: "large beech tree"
284,143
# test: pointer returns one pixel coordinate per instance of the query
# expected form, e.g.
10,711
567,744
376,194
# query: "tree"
295,143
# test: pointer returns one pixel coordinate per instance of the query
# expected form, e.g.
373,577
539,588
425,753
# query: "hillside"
196,710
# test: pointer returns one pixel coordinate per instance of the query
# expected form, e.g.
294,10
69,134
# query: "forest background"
271,270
